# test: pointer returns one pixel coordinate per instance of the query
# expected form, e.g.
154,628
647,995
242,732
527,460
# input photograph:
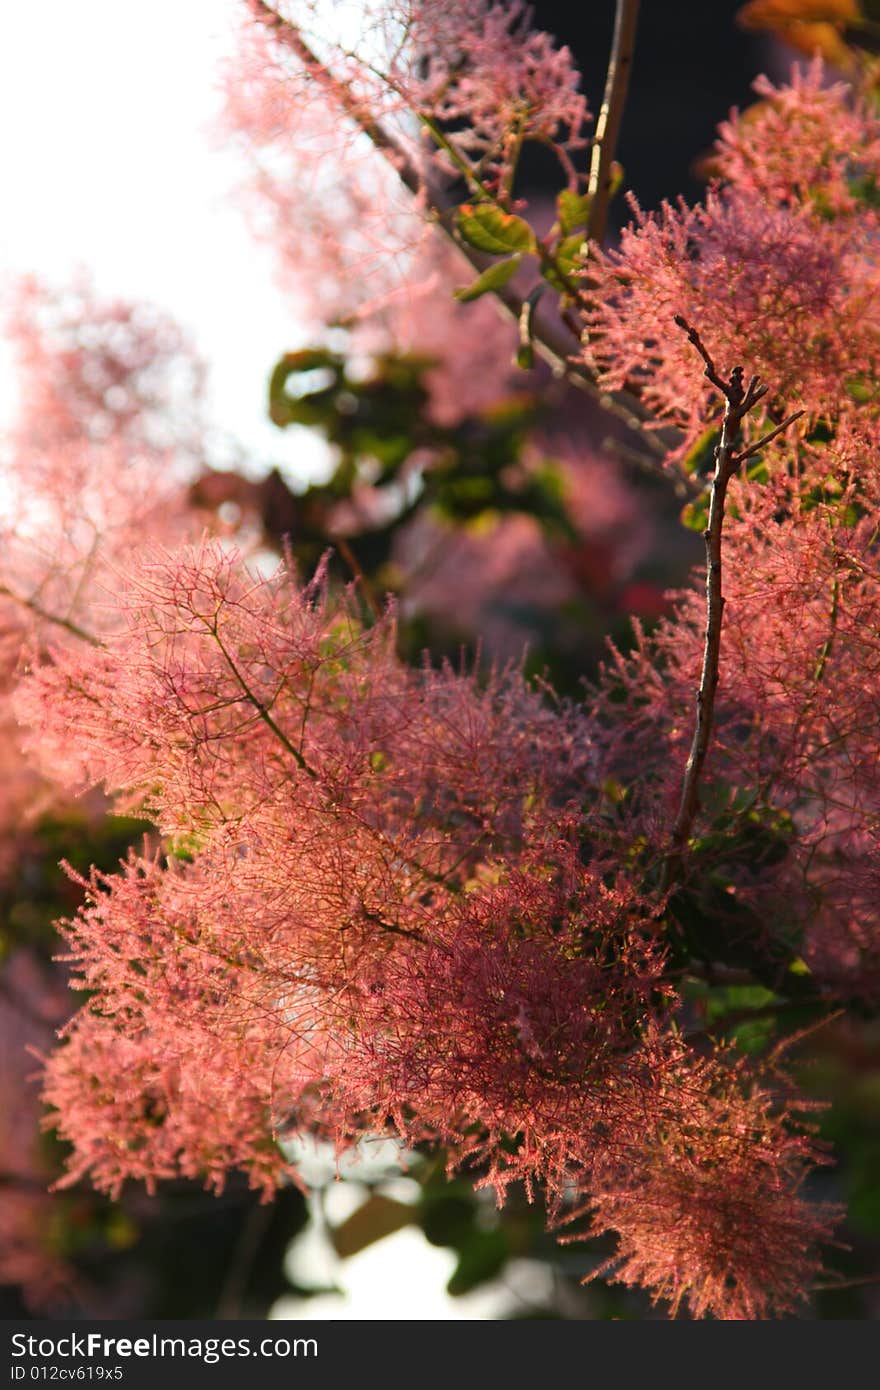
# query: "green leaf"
573,209
695,516
487,228
866,189
553,278
482,1258
702,452
307,360
571,253
618,174
309,406
861,389
543,496
491,279
525,356
448,1216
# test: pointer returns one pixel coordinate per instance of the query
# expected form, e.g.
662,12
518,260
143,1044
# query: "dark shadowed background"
692,64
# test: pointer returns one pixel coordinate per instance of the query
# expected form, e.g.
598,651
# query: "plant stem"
555,342
39,611
738,401
354,564
611,115
261,709
828,644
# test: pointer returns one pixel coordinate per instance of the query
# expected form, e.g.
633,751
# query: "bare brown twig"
739,400
766,439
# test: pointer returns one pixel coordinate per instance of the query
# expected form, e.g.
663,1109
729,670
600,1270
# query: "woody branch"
553,339
739,401
611,116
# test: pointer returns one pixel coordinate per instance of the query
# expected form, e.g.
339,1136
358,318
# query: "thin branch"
339,92
738,402
410,933
767,438
832,1285
828,644
262,711
685,487
736,1017
554,341
354,564
35,607
610,116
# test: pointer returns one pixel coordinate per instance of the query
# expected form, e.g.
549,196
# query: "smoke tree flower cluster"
109,394
482,83
801,622
337,220
109,412
100,386
479,68
482,66
375,913
437,902
780,260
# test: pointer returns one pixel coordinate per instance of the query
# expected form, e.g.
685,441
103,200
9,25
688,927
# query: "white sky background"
108,162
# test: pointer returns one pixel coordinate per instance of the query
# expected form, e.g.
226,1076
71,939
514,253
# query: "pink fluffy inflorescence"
107,428
481,70
789,292
340,226
777,266
324,145
374,913
440,904
806,143
710,1213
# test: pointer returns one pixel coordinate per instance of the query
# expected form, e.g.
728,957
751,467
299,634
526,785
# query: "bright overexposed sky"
398,1278
110,160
